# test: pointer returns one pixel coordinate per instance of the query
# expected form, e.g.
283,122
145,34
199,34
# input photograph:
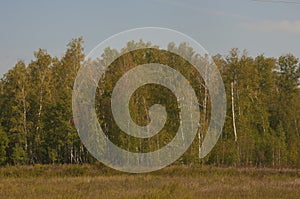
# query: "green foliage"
263,101
3,146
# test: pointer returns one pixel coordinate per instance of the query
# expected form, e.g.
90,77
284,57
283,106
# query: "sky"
266,28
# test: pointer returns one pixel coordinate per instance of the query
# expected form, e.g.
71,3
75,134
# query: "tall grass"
97,181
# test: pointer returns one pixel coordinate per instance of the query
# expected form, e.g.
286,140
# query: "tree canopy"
262,120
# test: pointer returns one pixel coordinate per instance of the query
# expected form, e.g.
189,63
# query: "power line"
273,1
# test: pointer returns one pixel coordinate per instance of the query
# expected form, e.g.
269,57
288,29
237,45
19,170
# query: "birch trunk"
233,112
24,116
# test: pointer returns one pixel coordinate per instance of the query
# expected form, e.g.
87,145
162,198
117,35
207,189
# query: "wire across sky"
271,1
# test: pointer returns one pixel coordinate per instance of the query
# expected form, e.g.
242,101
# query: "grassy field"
91,181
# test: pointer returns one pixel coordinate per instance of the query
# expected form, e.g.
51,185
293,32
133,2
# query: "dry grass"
173,182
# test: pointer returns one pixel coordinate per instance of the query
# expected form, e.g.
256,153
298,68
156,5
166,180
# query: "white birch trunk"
233,113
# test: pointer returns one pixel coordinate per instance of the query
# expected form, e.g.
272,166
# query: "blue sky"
219,25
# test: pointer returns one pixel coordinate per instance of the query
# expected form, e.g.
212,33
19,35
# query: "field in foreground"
90,181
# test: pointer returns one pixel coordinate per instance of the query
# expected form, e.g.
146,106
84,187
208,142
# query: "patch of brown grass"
87,181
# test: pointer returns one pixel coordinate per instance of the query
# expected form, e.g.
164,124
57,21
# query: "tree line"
262,120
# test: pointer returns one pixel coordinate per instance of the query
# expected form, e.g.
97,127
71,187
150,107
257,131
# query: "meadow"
97,181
